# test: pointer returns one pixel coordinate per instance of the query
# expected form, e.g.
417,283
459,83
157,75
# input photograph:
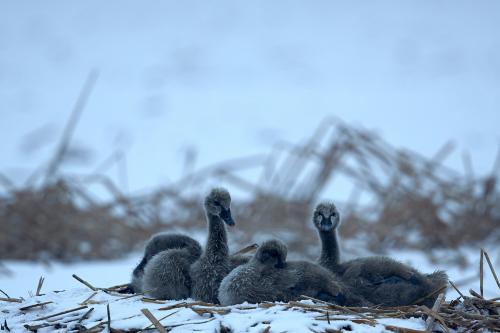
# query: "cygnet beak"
280,264
225,215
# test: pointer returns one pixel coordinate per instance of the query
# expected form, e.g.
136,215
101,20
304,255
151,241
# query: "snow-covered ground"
126,313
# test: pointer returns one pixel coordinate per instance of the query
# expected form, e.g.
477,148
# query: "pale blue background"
232,77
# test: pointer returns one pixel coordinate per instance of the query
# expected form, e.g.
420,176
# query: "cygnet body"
269,277
214,264
157,244
381,280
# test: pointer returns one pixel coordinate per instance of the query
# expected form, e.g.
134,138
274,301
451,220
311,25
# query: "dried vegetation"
473,313
399,199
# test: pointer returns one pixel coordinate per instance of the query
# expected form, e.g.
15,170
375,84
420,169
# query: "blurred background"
117,117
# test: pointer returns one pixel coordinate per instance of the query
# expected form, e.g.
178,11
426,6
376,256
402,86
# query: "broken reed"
59,217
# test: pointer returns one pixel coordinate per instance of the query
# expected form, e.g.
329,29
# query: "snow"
22,277
126,314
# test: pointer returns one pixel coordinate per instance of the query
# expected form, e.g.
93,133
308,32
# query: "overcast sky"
229,78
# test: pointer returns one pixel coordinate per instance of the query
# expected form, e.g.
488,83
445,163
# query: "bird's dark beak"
326,225
280,264
225,215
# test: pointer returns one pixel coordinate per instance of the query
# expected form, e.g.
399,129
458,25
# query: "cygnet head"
218,203
273,253
326,216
